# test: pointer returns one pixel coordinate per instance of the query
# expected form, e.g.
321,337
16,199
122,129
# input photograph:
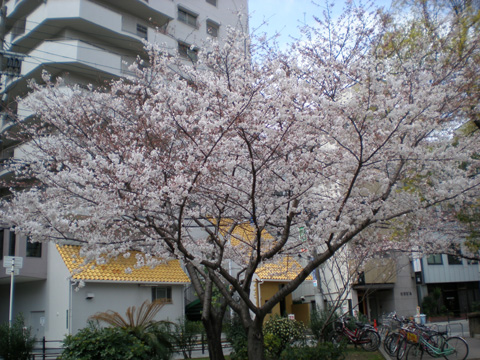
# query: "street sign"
8,271
16,261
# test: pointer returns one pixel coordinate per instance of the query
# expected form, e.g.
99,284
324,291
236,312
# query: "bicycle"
394,338
364,335
413,332
454,348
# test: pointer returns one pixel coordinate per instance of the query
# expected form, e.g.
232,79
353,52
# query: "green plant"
237,337
185,334
286,331
94,343
322,323
141,324
16,342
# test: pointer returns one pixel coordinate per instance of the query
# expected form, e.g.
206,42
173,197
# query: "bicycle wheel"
402,349
392,343
455,348
437,342
370,340
414,352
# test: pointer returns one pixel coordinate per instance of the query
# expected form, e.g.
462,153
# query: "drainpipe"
70,305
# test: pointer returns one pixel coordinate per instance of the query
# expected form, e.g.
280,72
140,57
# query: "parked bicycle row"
402,339
406,339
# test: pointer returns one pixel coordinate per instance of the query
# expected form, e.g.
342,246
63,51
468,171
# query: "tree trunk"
256,348
213,330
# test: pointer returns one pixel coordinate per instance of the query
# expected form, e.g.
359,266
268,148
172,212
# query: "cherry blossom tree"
343,136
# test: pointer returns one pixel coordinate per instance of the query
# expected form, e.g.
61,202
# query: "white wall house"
54,305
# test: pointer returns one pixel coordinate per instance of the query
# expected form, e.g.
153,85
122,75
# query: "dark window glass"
213,2
2,233
185,51
11,243
142,31
187,17
454,260
434,259
34,249
212,28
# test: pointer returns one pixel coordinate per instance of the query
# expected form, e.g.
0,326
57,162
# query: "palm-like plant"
140,322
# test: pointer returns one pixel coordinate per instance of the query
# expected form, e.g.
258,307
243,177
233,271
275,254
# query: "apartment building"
87,42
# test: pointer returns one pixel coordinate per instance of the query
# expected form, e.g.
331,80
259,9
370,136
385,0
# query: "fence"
47,349
52,349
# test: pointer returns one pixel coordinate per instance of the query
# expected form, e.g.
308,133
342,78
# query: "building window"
184,50
212,2
163,293
434,259
454,260
11,243
212,28
187,17
2,233
142,31
34,249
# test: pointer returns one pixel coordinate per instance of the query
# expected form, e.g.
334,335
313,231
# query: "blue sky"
286,16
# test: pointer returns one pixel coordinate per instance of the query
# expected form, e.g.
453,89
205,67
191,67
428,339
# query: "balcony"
104,24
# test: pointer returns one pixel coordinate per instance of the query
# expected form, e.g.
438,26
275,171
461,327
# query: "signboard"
8,271
16,261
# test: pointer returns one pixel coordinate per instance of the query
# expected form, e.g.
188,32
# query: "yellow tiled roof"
285,269
114,269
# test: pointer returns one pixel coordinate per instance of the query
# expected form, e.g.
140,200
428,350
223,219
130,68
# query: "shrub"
16,342
322,323
237,337
286,331
93,343
185,335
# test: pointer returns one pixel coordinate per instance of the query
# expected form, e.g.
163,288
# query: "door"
37,323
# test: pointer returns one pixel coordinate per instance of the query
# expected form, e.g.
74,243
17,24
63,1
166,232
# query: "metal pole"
12,279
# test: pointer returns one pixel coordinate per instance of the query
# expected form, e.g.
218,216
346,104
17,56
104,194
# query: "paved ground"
455,328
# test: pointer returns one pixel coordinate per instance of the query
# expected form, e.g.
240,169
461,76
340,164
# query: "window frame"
454,260
431,259
2,241
168,299
187,17
12,243
185,51
210,24
33,249
142,31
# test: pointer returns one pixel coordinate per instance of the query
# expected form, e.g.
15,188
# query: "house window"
11,243
184,50
162,293
212,2
212,28
454,260
434,259
142,31
34,249
187,17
